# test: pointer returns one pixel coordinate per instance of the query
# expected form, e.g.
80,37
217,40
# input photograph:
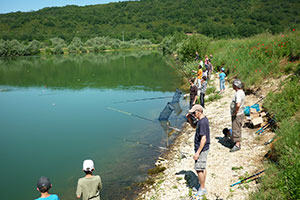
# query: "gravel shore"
223,167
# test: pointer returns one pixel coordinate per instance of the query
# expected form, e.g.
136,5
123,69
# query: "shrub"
57,50
192,44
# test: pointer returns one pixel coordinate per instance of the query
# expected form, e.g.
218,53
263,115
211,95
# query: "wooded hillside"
153,19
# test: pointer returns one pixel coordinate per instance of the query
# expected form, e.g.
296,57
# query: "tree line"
153,20
58,45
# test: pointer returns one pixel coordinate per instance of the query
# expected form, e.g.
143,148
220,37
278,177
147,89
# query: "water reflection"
54,113
122,70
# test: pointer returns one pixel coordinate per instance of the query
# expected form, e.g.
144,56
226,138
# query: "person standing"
88,187
222,76
203,90
197,56
237,114
199,75
201,146
193,93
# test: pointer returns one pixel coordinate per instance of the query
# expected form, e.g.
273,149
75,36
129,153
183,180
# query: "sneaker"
201,192
235,148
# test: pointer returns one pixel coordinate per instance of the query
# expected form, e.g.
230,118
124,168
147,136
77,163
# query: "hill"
153,19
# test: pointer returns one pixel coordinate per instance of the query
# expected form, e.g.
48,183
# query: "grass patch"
210,90
237,168
149,181
156,170
213,97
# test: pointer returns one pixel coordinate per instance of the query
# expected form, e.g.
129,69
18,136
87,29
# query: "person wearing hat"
201,146
43,186
88,187
222,76
237,114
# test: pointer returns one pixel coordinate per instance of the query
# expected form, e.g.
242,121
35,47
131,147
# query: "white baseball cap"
88,165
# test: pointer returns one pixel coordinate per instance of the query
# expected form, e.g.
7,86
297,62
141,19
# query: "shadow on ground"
191,179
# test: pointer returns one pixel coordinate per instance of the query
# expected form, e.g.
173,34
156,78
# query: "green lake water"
54,114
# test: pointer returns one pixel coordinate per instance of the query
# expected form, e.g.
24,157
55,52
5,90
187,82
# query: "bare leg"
201,178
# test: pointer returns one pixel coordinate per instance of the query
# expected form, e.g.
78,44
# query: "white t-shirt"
204,74
239,97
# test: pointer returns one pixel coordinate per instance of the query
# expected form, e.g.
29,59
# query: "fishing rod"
140,117
262,129
143,143
262,98
145,99
243,180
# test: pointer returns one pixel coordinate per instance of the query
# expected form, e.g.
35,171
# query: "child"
43,186
228,136
88,187
203,90
222,76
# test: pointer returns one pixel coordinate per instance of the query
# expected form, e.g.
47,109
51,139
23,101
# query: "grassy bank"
257,58
254,60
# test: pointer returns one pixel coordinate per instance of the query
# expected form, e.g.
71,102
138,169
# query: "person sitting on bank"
89,187
228,137
43,186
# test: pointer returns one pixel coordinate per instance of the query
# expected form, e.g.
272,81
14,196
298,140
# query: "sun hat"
44,182
88,165
196,107
237,83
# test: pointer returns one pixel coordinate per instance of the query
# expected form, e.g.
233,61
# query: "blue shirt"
201,130
222,76
51,197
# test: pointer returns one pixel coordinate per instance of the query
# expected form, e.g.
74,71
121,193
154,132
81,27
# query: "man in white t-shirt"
237,114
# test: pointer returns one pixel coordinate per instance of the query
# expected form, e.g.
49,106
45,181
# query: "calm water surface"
54,114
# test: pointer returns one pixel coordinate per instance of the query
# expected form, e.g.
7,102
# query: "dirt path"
177,181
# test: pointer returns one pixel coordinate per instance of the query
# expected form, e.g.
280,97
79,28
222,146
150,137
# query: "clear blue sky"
7,6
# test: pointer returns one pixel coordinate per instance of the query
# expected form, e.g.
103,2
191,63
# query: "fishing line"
141,117
145,99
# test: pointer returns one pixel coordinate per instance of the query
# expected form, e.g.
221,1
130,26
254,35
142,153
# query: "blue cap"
222,69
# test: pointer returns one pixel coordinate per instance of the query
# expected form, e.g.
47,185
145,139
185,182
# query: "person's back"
88,187
222,75
199,73
43,186
51,197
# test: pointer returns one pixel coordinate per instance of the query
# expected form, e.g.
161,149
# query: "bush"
72,48
57,50
192,44
57,42
170,44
